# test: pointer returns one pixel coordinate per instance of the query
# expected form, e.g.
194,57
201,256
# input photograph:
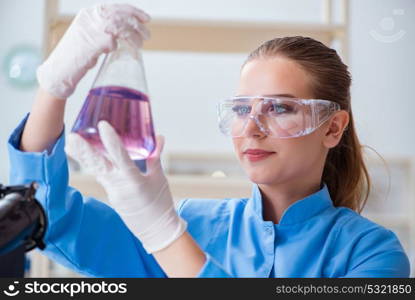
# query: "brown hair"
345,172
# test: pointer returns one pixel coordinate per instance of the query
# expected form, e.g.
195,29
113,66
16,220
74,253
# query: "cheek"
295,158
301,154
237,146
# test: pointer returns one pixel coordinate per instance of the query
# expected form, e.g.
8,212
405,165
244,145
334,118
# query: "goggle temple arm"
321,112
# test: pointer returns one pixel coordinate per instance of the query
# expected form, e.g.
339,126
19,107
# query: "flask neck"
123,67
126,48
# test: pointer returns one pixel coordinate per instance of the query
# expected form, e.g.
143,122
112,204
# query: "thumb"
154,159
116,151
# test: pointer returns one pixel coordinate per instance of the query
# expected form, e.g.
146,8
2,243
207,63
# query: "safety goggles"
281,117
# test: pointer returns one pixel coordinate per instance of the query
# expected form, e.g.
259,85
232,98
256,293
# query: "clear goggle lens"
277,117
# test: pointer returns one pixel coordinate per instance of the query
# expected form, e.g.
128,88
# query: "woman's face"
294,159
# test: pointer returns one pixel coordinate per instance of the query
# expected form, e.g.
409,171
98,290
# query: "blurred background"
193,61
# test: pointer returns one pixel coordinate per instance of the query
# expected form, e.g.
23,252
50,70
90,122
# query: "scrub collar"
299,211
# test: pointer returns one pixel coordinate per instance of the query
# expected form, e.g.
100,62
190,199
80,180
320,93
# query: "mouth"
257,154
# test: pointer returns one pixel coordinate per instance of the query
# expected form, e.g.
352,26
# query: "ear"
335,129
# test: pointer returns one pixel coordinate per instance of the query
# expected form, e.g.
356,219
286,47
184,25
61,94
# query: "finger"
113,145
131,25
86,155
159,147
110,46
92,63
129,29
154,159
134,38
107,10
132,10
140,28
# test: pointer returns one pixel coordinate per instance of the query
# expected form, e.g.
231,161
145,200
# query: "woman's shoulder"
372,249
349,220
360,232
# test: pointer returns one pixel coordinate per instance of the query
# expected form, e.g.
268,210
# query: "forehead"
276,75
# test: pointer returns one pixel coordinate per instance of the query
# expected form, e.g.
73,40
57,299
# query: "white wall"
21,22
382,72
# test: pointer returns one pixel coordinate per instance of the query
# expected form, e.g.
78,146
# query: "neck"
276,198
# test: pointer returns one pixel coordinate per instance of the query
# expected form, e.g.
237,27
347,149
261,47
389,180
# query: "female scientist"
292,128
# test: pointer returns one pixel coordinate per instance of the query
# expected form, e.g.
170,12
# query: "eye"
241,110
281,108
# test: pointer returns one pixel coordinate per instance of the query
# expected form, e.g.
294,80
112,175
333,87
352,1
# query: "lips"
257,154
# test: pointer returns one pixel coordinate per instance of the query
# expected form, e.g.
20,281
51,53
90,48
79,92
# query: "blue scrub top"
312,239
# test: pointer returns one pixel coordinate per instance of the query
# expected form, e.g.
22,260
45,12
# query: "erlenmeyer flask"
119,96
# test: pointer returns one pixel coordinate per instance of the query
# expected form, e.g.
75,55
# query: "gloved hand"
93,31
143,201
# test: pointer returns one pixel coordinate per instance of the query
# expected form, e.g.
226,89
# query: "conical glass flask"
119,96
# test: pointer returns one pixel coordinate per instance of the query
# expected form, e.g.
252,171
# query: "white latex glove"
93,31
143,201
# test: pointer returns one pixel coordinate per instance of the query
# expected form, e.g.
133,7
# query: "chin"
259,177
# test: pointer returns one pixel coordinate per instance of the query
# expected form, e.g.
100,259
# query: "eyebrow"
272,95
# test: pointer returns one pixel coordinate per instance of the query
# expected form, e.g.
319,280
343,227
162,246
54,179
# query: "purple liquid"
127,110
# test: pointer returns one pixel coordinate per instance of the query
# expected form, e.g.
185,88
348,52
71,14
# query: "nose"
254,128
